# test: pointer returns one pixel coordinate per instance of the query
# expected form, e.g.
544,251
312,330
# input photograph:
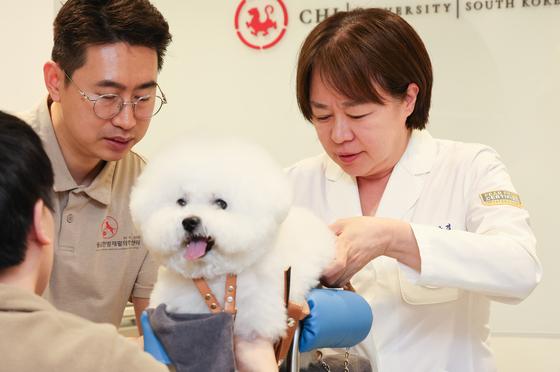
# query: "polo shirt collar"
100,187
63,180
13,298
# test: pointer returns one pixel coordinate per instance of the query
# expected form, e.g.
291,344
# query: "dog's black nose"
190,223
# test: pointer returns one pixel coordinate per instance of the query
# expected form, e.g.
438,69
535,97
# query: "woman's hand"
362,239
255,356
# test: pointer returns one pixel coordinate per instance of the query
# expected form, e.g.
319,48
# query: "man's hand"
139,305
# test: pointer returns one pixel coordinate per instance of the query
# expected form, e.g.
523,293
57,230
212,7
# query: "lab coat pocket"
425,295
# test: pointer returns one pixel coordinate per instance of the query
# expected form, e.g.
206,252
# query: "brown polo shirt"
99,260
34,336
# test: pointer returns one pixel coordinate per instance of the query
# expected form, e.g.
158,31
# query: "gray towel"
195,342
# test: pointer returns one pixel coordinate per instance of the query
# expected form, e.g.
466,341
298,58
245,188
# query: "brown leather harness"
296,312
211,300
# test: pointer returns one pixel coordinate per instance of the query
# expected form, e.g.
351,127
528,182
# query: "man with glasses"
103,93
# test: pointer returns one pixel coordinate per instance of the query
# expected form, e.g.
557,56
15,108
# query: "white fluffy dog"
209,208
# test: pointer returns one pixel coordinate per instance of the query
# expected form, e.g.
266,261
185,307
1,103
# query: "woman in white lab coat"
429,231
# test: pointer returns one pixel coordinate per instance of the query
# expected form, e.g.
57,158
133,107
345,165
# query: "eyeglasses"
107,106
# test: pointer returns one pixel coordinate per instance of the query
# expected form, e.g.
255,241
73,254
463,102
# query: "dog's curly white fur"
209,208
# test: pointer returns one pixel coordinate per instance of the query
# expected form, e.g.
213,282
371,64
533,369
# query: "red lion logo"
109,227
256,25
260,33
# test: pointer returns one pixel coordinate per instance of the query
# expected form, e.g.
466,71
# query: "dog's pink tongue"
195,249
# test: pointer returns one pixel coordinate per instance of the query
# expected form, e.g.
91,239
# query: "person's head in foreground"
26,223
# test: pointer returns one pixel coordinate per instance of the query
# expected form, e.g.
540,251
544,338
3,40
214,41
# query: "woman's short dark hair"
355,50
25,177
81,23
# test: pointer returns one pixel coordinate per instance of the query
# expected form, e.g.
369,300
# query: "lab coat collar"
420,153
402,191
332,171
342,194
408,177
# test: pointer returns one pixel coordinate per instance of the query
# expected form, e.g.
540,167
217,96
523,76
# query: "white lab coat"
436,320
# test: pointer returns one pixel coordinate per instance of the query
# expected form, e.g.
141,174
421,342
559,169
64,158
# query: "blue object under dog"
151,342
337,319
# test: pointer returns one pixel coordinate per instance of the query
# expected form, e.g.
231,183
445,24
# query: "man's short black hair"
83,23
26,176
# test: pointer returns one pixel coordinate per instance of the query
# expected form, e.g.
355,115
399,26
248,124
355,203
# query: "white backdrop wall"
497,80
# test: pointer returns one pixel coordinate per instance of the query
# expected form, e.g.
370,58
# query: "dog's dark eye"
221,203
182,202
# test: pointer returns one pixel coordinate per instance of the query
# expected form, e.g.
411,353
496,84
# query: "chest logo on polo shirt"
109,227
111,242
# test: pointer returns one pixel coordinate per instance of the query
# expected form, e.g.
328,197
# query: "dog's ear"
152,188
143,197
282,197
